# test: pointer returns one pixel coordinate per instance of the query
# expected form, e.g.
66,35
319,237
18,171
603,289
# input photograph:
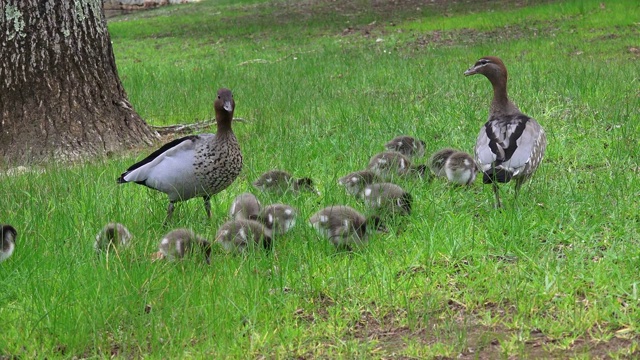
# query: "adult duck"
511,144
195,165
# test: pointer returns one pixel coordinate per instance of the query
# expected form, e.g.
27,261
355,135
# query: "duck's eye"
218,96
483,62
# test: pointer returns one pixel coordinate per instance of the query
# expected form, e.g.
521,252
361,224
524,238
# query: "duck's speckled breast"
218,163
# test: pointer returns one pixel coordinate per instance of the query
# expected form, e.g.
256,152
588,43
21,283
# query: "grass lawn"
323,85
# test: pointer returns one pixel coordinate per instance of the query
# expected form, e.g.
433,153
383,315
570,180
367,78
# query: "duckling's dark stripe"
405,202
8,232
155,154
267,242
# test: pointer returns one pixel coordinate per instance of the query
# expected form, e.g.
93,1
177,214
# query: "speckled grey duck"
111,236
511,144
196,165
179,242
437,161
245,206
356,181
460,168
407,145
280,181
279,218
387,199
8,235
388,164
241,235
344,226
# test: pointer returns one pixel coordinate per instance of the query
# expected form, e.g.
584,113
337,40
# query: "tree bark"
60,94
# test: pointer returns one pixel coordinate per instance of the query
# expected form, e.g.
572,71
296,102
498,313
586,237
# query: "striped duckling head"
245,206
280,181
356,181
344,226
437,161
8,235
389,164
239,236
279,218
460,168
407,145
387,199
177,243
111,236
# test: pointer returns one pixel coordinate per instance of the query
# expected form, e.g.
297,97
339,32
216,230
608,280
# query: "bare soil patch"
480,341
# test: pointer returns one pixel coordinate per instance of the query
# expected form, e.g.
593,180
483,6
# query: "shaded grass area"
324,84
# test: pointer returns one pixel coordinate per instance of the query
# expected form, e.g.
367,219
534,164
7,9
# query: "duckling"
178,242
240,235
407,146
8,235
245,206
510,145
387,198
344,226
355,182
279,218
460,168
195,165
390,163
279,181
111,236
437,161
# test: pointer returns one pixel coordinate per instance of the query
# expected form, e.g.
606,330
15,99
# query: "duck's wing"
135,173
508,145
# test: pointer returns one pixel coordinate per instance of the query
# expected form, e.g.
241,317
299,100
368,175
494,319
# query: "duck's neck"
501,105
224,124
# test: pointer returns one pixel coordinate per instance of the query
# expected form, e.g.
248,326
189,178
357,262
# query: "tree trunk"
60,94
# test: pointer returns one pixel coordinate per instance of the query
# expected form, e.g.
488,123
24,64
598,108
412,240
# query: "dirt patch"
464,332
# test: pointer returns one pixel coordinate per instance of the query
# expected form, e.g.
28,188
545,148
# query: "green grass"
553,275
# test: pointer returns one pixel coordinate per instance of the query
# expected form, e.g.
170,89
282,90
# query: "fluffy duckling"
460,168
390,163
407,146
279,218
178,242
8,235
387,198
245,206
111,236
438,159
510,145
281,181
195,165
344,226
240,235
355,182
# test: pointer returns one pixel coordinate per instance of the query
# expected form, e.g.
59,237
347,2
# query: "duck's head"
224,101
490,66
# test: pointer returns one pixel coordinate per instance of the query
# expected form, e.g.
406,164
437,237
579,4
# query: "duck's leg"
519,182
169,212
207,205
496,192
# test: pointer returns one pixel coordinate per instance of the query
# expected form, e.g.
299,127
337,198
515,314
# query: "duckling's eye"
483,61
218,96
